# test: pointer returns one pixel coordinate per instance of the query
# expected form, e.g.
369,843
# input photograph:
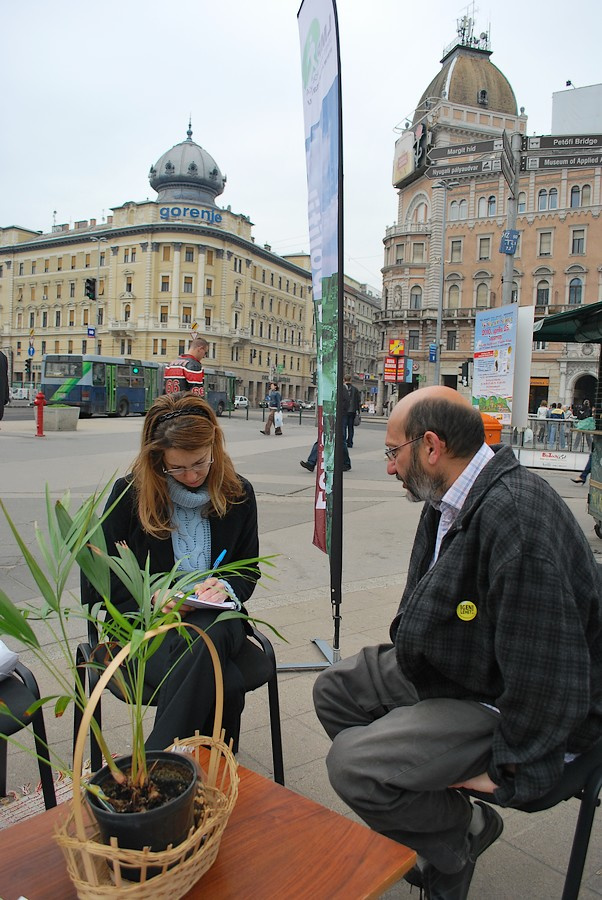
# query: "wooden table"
277,845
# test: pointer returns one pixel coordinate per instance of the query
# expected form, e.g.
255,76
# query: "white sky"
94,93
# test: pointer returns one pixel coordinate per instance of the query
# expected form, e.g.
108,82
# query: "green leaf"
13,622
40,579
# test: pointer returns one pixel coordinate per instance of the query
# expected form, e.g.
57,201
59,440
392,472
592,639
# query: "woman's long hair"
180,421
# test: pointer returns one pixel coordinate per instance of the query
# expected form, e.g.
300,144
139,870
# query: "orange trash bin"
493,429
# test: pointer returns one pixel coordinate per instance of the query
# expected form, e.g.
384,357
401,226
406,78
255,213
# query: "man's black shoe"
440,886
414,877
306,465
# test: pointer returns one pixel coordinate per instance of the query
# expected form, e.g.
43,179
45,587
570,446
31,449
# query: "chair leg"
3,765
275,729
589,801
274,705
41,743
85,669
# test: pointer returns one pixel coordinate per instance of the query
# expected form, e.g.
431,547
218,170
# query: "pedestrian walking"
4,391
274,401
353,403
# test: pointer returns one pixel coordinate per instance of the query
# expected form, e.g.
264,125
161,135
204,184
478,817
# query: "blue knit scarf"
191,539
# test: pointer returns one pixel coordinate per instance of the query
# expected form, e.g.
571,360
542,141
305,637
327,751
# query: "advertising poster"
494,355
321,107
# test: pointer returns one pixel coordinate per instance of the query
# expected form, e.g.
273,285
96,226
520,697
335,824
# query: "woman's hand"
170,603
211,591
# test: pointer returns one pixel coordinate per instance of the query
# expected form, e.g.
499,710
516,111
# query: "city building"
442,256
162,269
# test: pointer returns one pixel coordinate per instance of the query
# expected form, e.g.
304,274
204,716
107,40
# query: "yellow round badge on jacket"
466,610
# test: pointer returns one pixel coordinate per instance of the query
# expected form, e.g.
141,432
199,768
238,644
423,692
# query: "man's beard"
419,486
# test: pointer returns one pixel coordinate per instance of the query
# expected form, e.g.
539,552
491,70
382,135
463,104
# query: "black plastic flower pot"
156,827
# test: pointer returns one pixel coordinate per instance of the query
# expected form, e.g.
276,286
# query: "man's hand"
481,783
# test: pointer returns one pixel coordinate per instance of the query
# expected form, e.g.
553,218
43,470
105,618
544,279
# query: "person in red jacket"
186,373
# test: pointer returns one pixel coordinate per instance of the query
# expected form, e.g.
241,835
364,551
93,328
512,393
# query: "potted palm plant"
141,786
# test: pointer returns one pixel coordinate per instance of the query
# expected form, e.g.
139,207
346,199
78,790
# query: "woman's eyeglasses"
177,471
391,452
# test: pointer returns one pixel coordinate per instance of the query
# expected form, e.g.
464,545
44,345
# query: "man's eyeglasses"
391,452
177,471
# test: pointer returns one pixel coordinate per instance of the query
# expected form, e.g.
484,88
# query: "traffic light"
464,373
28,369
314,377
90,288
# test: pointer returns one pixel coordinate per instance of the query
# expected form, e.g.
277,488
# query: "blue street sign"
91,332
31,351
509,241
432,352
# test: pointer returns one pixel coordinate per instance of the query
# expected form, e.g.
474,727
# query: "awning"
580,325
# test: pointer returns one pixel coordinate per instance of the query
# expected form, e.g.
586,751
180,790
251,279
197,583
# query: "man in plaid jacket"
492,680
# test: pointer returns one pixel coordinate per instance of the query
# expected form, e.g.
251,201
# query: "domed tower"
187,172
468,77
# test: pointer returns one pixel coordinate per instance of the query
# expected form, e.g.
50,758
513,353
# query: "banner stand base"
331,656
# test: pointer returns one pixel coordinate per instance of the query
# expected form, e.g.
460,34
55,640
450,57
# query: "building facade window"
208,257
189,254
163,314
187,315
452,339
209,287
164,284
521,205
166,253
455,255
413,340
418,253
577,241
484,248
207,318
544,246
575,291
482,295
542,297
453,297
188,284
416,297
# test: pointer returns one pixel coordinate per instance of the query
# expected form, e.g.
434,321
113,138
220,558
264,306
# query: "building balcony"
121,326
394,231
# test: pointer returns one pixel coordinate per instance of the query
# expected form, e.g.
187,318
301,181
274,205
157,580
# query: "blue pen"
218,560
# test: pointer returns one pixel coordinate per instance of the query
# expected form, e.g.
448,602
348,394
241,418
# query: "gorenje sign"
189,212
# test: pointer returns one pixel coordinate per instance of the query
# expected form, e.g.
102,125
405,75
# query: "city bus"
101,385
220,389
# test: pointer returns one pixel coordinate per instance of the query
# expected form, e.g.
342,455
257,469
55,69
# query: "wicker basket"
96,868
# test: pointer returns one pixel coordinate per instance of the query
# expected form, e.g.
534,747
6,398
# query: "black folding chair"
582,779
256,662
19,691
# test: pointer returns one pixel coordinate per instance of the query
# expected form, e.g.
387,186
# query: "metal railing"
549,434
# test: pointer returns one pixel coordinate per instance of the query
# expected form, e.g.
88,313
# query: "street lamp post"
445,186
99,241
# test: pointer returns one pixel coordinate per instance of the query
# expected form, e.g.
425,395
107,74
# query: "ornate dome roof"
187,172
469,78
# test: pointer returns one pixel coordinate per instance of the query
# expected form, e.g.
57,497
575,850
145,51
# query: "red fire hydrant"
40,402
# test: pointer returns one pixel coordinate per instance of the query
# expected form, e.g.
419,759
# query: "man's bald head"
443,411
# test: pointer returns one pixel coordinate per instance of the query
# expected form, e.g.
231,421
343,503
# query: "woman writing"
187,503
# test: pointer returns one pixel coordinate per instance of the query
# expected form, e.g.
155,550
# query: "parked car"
290,405
241,403
308,404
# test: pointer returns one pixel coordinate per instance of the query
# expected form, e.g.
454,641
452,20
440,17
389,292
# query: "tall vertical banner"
318,32
494,356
